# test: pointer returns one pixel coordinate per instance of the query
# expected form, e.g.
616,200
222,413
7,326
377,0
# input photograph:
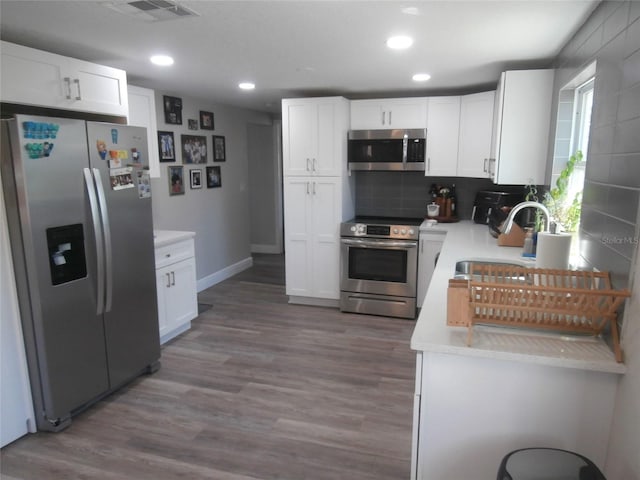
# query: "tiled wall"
609,227
406,194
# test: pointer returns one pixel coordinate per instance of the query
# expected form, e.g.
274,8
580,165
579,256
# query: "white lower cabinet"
430,247
470,411
176,283
312,219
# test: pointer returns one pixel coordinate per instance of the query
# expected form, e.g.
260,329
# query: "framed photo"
196,178
172,110
206,120
194,149
219,149
193,124
214,179
166,146
176,180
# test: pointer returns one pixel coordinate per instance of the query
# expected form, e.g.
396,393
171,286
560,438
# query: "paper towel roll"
553,250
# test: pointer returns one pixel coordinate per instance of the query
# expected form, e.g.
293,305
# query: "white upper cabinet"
476,125
314,132
389,113
142,113
442,136
35,77
522,118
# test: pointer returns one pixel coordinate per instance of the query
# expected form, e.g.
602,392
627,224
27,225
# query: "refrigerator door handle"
95,216
108,249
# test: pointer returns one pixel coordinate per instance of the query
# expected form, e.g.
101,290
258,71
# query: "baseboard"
274,249
315,302
227,272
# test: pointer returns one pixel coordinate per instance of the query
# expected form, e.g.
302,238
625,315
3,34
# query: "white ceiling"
305,48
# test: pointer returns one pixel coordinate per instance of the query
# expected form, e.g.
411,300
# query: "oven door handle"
379,243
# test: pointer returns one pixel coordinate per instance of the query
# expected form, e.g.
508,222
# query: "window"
583,105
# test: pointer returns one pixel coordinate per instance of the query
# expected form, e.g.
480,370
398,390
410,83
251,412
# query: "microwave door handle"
405,145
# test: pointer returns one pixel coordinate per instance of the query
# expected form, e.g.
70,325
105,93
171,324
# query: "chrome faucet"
508,223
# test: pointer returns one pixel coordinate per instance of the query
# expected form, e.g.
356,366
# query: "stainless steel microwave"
387,149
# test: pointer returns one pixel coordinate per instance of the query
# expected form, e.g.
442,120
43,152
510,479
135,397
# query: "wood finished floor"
257,389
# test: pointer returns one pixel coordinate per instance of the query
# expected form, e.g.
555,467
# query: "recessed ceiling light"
421,77
162,60
399,42
247,85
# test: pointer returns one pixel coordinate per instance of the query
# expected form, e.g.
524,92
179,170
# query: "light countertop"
469,241
167,237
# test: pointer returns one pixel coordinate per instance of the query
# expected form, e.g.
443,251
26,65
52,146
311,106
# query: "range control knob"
395,231
411,232
353,228
403,231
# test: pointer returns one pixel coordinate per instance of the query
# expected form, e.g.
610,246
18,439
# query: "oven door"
379,266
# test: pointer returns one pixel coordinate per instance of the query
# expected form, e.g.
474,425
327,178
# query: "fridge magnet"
196,178
194,149
193,124
206,120
121,178
136,157
101,145
213,177
144,184
172,110
176,181
219,149
115,163
114,136
165,143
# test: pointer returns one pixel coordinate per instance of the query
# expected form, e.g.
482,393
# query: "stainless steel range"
378,266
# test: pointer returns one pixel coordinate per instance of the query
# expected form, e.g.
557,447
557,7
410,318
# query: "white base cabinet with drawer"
176,282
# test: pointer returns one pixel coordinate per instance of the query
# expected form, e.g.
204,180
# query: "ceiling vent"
151,10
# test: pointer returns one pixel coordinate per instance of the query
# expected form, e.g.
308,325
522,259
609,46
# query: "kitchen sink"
463,270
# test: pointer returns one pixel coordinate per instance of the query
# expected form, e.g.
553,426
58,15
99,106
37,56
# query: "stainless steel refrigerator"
78,205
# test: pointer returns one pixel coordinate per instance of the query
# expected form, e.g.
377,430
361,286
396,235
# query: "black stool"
547,464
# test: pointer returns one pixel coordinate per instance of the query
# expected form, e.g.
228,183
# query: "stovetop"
370,220
382,227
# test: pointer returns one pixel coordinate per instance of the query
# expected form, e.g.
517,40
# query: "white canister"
433,210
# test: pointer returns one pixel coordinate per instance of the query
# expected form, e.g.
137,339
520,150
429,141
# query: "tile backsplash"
406,194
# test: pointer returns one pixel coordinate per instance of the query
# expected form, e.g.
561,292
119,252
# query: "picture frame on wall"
194,149
196,178
219,149
172,110
214,177
166,145
176,180
193,124
206,120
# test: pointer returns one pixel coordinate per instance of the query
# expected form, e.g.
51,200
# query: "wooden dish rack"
568,301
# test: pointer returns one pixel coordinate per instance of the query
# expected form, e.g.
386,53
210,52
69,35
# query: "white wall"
219,216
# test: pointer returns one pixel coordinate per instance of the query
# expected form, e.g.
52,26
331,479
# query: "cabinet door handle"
77,82
390,112
429,164
308,167
314,164
307,188
173,278
484,168
168,280
383,113
314,188
67,83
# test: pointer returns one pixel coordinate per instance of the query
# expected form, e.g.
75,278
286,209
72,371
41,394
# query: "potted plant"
565,212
